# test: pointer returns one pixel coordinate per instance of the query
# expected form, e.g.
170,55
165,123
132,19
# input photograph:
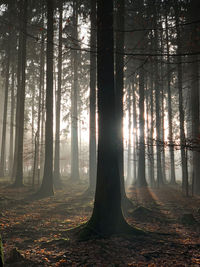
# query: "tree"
107,217
141,181
119,93
58,101
3,144
172,165
19,139
12,122
92,138
158,109
74,99
46,188
181,108
193,15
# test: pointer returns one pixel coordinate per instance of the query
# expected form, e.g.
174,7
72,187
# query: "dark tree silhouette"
107,217
46,188
21,97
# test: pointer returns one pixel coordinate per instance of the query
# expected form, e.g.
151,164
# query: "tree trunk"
47,182
128,179
162,114
12,122
19,64
43,111
181,112
158,112
74,112
19,169
92,137
151,143
40,113
3,143
107,215
171,144
135,136
32,124
141,179
193,15
58,102
119,87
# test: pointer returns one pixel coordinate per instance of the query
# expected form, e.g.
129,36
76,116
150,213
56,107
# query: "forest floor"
34,232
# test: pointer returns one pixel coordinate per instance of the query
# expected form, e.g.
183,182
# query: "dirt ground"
34,233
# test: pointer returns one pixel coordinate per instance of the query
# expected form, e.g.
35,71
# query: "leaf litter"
34,233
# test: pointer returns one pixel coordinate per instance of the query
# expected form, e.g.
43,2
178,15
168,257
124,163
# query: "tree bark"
141,179
47,182
3,143
58,102
151,143
181,111
20,140
193,15
12,122
170,117
128,179
92,137
107,215
135,136
74,111
158,110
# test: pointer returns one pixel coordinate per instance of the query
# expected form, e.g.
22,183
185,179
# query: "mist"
99,133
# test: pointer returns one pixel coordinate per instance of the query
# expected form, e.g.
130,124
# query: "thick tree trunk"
107,215
20,141
47,182
58,102
74,111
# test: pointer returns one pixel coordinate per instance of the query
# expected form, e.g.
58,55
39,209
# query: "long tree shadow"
148,209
